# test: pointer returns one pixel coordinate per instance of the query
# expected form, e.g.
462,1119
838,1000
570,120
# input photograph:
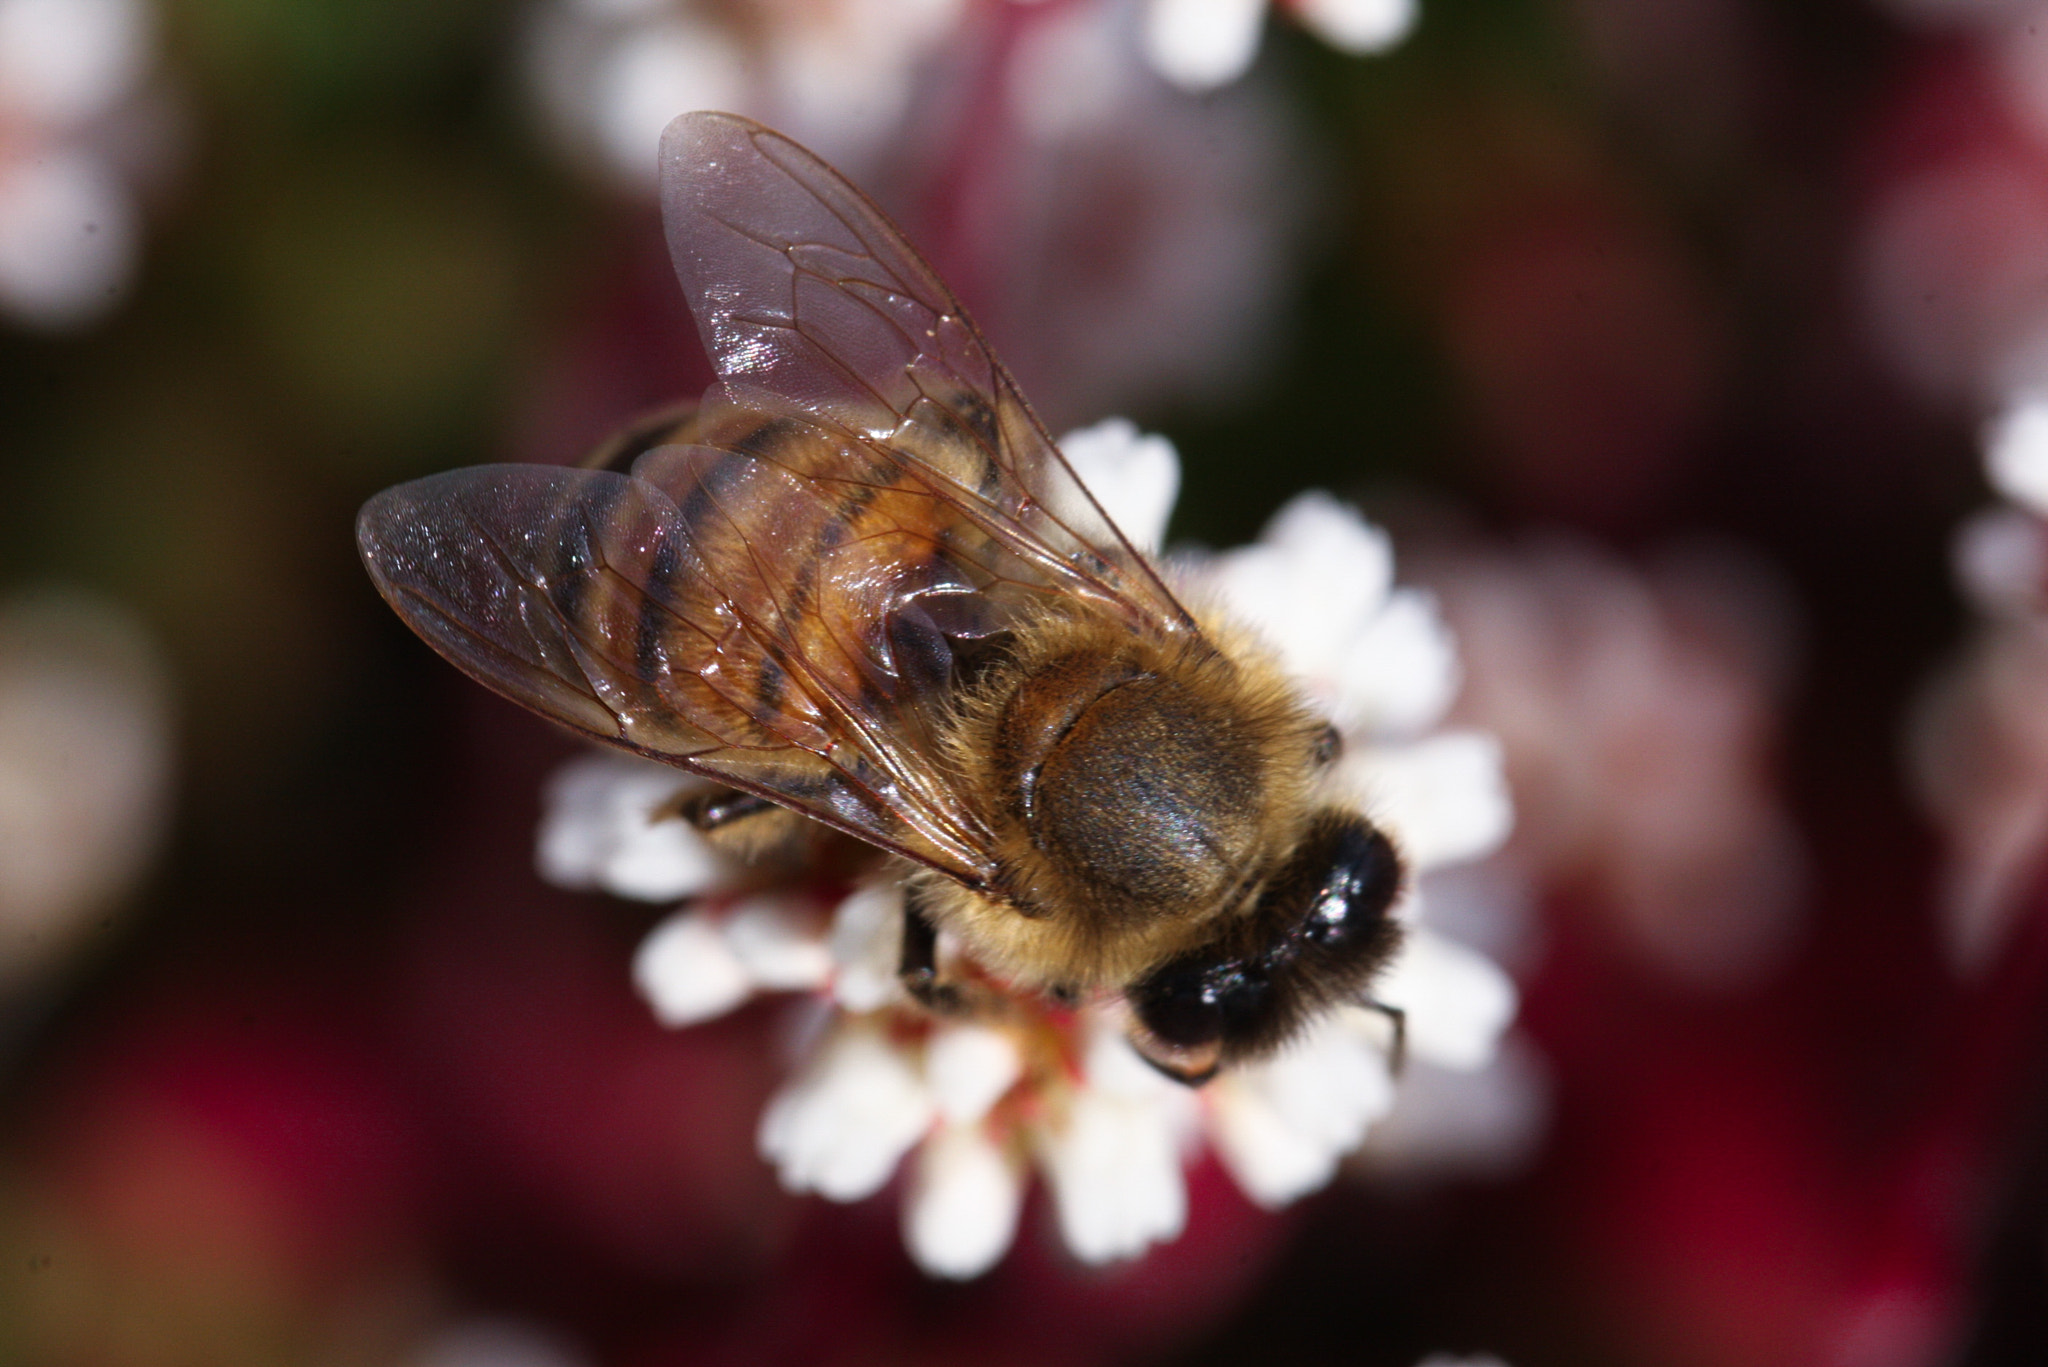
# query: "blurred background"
1670,338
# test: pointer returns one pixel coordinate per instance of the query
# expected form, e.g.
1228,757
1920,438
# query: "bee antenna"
1397,1057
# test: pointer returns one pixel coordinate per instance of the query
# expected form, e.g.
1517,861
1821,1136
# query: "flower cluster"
976,1104
842,75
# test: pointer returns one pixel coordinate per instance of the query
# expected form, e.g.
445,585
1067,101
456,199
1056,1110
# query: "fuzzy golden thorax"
1136,787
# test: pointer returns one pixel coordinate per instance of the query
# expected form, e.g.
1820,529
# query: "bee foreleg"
744,825
919,966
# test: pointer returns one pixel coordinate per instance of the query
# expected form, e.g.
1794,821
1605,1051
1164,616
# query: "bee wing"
816,312
584,595
772,596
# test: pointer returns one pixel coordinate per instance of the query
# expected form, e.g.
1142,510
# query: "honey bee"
857,581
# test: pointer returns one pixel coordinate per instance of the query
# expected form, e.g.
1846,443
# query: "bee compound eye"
1195,1001
1176,1004
1348,879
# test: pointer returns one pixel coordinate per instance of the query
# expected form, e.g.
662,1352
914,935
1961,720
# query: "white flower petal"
687,971
1401,672
1328,537
597,831
63,62
968,1068
840,1126
2001,559
662,861
1443,799
1113,1164
961,1213
777,939
2016,452
1358,25
866,945
1135,476
1068,74
1458,1002
1447,1122
1316,579
1281,1126
67,238
1202,44
654,73
1113,1068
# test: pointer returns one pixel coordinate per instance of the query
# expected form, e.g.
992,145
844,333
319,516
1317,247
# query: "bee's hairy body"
1136,790
859,581
1133,788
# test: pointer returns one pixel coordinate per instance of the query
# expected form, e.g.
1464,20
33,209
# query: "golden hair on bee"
1136,786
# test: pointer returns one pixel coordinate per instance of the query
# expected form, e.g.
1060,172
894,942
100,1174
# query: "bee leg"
919,967
743,825
1397,1057
710,809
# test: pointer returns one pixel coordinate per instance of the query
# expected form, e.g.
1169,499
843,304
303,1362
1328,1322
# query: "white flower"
2001,560
1133,476
2016,452
961,1213
601,828
1282,1126
1202,44
1978,737
855,1110
1113,1159
976,1104
1978,741
72,73
836,75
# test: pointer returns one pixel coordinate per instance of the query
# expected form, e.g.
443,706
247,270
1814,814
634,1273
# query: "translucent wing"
772,590
582,594
817,313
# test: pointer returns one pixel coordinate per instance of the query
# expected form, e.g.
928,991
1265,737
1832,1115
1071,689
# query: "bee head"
1317,934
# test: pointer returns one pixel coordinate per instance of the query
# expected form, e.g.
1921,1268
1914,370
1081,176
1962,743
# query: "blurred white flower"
975,1106
73,88
1202,44
1978,745
2016,452
602,830
837,75
1977,741
85,769
1638,716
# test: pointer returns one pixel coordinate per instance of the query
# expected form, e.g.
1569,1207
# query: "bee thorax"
1150,795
